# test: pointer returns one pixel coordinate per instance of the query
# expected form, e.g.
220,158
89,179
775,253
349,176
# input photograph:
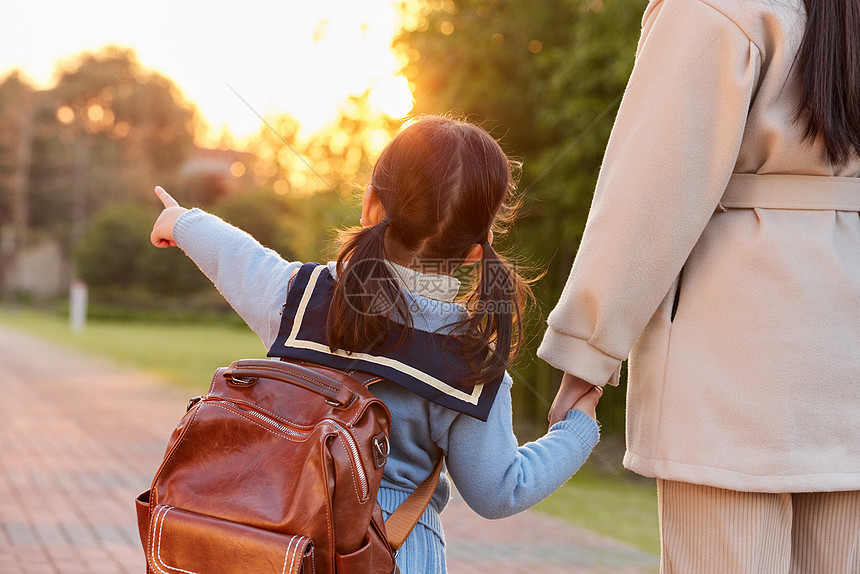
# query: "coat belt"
807,192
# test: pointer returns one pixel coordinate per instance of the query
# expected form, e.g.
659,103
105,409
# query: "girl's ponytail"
365,292
496,303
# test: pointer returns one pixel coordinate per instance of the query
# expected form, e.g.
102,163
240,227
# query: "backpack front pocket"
182,542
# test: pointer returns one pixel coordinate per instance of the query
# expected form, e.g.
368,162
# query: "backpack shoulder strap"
403,520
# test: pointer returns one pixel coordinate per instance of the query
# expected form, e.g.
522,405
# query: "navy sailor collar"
426,364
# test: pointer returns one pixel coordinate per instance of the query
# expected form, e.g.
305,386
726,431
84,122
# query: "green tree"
103,134
171,275
320,177
547,78
17,100
261,213
118,262
110,253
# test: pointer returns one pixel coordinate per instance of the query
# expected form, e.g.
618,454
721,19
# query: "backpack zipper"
356,457
352,447
231,406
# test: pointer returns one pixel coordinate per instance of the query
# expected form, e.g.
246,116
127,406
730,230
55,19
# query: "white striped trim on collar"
294,341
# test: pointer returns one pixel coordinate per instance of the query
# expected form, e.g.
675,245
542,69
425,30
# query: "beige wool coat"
722,254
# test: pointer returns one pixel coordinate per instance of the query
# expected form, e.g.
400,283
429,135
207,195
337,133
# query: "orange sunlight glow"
303,59
392,96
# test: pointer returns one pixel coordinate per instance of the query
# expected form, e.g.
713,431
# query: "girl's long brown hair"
829,65
444,184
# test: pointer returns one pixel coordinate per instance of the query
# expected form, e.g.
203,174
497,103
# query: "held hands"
162,231
574,393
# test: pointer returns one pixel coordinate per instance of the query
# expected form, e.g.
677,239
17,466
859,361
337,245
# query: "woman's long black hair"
829,65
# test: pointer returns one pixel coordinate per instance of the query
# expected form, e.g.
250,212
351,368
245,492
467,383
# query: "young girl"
436,192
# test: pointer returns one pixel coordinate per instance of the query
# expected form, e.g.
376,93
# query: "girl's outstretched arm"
251,277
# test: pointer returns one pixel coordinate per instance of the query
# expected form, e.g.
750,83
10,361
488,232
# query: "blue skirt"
424,549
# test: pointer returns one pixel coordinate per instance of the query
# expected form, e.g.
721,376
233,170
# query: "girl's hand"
574,393
587,403
162,231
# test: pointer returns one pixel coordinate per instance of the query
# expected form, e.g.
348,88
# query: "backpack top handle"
246,372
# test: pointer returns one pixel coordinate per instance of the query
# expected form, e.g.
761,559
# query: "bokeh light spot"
281,187
95,113
65,115
237,169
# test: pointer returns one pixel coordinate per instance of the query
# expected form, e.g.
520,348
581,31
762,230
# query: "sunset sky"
302,58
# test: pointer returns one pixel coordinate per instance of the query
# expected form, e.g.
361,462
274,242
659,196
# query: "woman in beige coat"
722,255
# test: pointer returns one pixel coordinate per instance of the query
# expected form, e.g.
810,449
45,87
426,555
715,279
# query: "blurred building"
212,173
39,268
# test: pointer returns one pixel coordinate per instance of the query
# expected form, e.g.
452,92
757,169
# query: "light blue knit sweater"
494,475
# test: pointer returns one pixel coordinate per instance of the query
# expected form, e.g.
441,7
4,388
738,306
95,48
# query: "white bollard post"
78,295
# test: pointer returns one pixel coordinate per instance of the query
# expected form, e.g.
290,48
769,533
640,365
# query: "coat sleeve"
252,278
497,477
670,155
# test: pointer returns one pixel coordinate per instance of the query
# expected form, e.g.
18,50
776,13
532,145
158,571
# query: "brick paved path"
80,438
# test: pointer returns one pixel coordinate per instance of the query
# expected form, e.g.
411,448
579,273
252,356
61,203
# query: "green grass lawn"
625,510
184,354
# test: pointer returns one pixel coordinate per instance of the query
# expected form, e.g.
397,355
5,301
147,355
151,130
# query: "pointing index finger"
165,198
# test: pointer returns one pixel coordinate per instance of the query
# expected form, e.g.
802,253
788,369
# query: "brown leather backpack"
276,469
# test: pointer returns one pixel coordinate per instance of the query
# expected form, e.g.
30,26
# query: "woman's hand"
162,231
574,393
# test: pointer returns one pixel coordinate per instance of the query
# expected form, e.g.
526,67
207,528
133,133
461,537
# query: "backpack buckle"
381,449
240,382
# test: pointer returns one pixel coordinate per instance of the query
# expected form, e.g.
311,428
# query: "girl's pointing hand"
162,231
